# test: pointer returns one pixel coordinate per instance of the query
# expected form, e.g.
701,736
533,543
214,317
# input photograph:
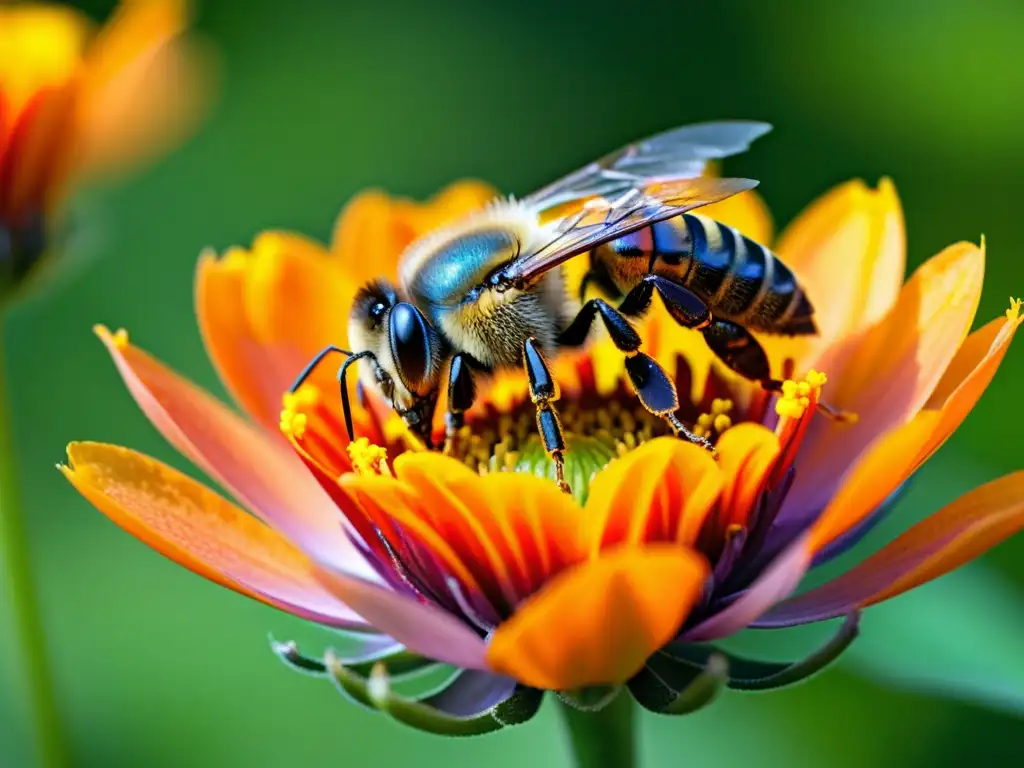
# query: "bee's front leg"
461,394
544,392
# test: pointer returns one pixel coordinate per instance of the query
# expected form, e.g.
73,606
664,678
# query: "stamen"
295,413
798,396
717,420
1013,314
368,459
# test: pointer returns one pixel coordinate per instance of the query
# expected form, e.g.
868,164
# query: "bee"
489,292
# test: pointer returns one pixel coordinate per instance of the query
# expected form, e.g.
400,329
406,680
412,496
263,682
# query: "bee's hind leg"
654,388
544,392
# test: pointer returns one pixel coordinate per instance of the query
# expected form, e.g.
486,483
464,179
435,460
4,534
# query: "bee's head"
401,354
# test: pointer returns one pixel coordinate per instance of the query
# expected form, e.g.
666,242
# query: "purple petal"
776,583
423,628
472,693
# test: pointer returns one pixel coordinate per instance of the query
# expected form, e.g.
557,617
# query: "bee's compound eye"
411,339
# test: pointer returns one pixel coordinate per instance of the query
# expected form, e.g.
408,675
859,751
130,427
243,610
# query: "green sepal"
399,663
751,675
520,707
671,687
591,698
375,692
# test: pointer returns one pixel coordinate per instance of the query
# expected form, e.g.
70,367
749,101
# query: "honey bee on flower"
475,557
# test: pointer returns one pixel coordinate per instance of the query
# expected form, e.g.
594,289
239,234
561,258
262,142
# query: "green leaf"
751,675
375,692
671,687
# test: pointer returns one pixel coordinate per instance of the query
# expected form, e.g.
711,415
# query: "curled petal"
951,537
599,622
198,529
258,470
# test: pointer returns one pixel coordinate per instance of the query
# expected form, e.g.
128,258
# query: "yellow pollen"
1013,314
796,395
293,415
120,339
367,458
716,420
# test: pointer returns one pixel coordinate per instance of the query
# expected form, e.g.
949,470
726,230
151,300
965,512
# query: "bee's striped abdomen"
741,280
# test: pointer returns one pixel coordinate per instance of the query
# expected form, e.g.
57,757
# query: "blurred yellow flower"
77,101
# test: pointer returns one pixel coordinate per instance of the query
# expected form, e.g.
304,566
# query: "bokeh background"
321,98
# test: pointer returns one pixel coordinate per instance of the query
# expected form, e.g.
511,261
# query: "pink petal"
423,628
259,471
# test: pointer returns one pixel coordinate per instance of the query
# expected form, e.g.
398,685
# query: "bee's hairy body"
740,280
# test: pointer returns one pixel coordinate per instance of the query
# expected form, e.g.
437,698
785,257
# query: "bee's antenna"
314,363
345,407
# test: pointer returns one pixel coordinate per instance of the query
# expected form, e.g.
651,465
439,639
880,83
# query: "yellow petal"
662,491
848,249
599,622
198,529
42,47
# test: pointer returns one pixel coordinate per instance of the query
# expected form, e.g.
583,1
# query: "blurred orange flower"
477,559
76,101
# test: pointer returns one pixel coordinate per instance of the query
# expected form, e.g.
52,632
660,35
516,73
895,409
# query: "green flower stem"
24,612
604,739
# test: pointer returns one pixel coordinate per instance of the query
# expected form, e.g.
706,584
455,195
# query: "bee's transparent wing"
601,219
680,153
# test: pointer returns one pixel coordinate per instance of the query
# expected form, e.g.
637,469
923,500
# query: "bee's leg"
544,392
653,386
461,394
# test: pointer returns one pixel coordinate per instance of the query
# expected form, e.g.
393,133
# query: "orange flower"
75,101
476,559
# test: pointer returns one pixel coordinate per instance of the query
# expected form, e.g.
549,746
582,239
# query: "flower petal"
599,622
893,370
747,455
421,627
662,491
778,581
241,362
145,85
960,532
198,529
261,472
849,251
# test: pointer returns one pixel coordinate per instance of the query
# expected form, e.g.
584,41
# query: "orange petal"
969,375
42,45
297,300
257,469
599,622
145,85
747,454
662,491
953,536
848,250
244,366
892,371
879,472
747,212
198,529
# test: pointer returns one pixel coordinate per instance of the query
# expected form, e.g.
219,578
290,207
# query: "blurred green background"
322,98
